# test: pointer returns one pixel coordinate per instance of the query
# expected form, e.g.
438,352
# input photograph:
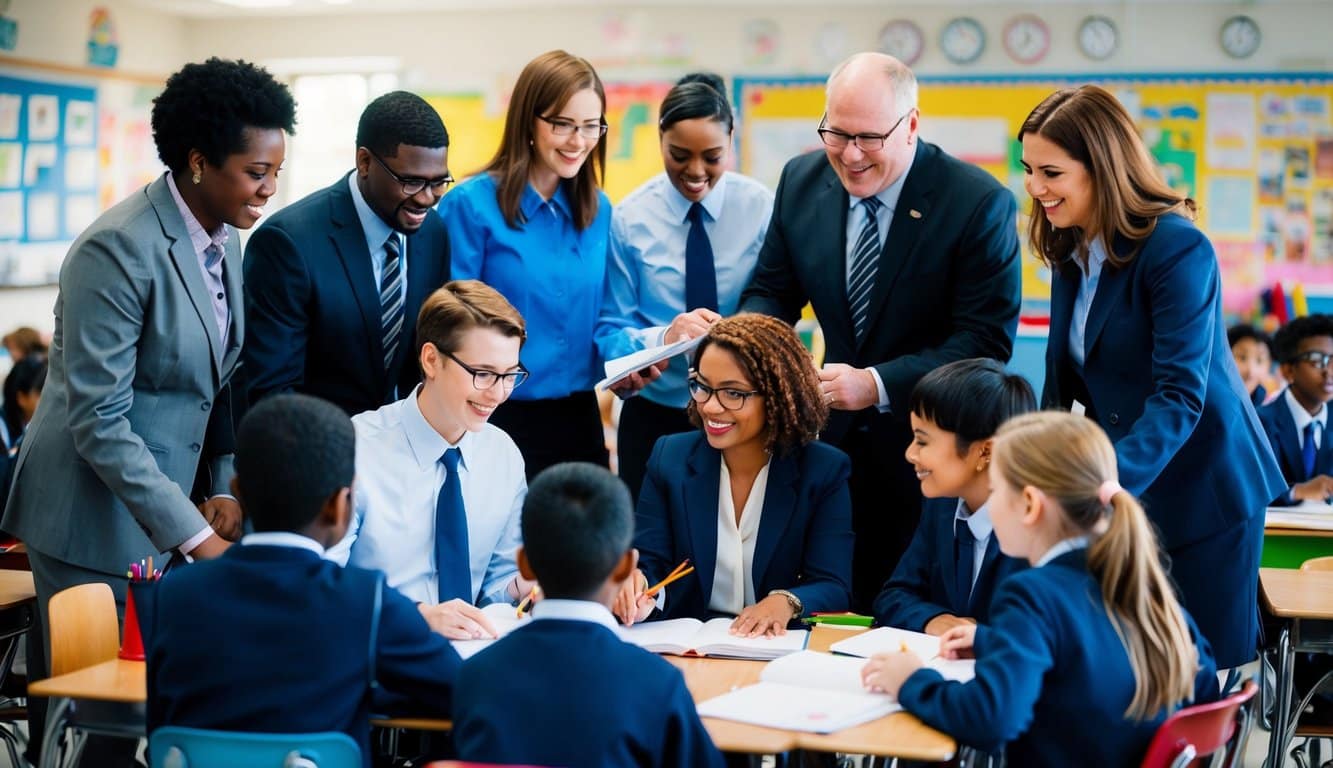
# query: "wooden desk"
118,680
1295,596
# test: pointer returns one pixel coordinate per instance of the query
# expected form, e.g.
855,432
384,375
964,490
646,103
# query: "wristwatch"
795,602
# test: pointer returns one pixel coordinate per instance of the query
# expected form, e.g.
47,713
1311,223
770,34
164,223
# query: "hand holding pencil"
636,598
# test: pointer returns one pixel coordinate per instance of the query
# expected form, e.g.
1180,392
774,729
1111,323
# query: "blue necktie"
700,272
964,554
865,261
451,551
1308,450
391,301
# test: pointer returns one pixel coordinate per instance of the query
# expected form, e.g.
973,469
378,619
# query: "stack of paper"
503,617
892,640
1307,515
691,637
621,367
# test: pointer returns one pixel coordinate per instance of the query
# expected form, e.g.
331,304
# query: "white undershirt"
733,577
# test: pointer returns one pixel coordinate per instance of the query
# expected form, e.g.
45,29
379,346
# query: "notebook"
691,637
621,367
888,640
804,691
505,620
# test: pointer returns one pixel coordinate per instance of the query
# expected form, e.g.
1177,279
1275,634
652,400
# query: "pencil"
902,647
680,572
846,620
523,606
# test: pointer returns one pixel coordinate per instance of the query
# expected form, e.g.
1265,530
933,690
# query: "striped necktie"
391,301
865,263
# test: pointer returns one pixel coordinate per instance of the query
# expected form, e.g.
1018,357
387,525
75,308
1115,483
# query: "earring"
198,174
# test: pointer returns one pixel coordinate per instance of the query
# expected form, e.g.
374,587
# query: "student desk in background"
1293,535
121,685
1304,602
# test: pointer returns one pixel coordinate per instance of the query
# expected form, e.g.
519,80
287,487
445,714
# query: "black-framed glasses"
1319,360
866,142
413,187
484,380
728,398
561,127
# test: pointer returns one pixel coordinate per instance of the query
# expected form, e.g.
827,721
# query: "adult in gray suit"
148,330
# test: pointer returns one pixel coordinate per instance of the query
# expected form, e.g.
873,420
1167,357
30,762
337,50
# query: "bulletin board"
1255,151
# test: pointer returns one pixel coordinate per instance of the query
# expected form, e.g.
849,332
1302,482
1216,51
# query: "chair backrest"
1318,564
1197,731
175,747
82,627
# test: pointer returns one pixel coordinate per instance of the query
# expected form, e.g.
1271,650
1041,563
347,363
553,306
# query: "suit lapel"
828,251
701,490
904,229
1323,463
349,240
987,573
232,275
1109,287
186,262
1288,439
944,554
1064,287
776,515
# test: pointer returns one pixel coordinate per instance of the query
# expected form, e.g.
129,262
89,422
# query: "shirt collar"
575,610
1096,256
532,202
282,539
200,238
1061,547
1302,416
890,194
712,202
372,226
427,444
979,522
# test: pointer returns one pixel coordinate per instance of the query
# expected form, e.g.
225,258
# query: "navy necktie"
451,551
963,557
864,266
1308,450
391,301
700,272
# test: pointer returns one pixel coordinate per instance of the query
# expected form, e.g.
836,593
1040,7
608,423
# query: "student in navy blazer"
1303,347
1137,340
330,277
953,562
1056,681
563,688
289,642
761,510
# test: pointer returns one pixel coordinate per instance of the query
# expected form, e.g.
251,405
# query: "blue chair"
175,747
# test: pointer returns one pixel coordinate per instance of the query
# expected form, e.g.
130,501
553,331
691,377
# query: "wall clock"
1240,37
1026,39
963,40
1098,37
903,40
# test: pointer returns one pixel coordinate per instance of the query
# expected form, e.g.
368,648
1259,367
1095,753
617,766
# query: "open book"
892,639
621,367
503,617
691,637
806,691
1307,515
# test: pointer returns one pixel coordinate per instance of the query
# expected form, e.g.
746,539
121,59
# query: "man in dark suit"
910,259
334,281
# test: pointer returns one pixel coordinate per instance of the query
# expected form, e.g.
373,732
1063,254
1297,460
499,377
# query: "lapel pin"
914,213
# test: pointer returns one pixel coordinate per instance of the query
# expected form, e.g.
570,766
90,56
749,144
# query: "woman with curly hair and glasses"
758,507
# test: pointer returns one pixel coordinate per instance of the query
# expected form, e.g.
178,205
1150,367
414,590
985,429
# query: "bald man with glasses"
910,259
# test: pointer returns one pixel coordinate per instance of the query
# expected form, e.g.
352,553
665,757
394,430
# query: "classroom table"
119,682
1304,601
18,611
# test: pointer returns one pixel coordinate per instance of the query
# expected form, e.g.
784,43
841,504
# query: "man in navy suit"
1296,422
271,637
564,689
333,282
910,259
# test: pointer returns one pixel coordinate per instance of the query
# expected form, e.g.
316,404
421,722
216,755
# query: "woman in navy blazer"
1137,340
758,507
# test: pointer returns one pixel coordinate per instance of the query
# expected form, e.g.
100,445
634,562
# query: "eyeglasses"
484,380
866,142
565,128
1319,360
730,399
413,187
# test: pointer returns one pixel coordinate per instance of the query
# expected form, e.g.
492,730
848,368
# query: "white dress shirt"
733,576
1302,418
1087,291
575,610
398,479
979,523
282,539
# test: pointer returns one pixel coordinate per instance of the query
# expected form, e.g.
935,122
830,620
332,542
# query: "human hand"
631,604
630,385
224,515
1317,488
886,672
945,622
209,548
957,643
690,325
767,617
457,620
846,388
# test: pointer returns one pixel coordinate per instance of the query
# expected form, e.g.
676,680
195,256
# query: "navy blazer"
805,529
1053,678
278,640
922,586
1163,384
313,306
566,692
1280,428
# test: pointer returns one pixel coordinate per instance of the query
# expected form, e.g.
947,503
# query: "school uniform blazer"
1161,381
1053,679
278,640
922,586
314,306
137,380
566,692
1286,443
805,529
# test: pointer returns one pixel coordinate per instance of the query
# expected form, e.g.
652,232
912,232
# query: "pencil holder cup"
131,644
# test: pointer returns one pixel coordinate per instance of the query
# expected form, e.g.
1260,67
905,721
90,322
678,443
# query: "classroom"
755,382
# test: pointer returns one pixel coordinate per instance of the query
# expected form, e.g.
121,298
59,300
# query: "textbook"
805,691
888,640
621,367
503,617
1307,515
691,637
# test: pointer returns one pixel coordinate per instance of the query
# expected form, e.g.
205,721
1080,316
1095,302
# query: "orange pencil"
680,572
523,606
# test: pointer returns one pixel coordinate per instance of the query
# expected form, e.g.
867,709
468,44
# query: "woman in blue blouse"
533,225
683,247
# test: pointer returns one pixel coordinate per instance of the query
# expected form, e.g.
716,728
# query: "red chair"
1201,730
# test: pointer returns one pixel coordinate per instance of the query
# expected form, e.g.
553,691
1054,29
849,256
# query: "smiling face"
1009,507
933,453
235,192
694,154
1253,362
384,193
561,157
861,101
741,430
449,400
1057,182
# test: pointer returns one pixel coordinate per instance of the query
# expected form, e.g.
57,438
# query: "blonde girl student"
1087,651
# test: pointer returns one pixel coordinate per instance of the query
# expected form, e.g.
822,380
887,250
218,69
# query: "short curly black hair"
399,117
208,106
1287,340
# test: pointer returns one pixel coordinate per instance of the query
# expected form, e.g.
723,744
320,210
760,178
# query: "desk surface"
116,680
16,588
1295,594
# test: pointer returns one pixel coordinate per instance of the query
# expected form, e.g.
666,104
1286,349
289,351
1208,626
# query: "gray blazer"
136,366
